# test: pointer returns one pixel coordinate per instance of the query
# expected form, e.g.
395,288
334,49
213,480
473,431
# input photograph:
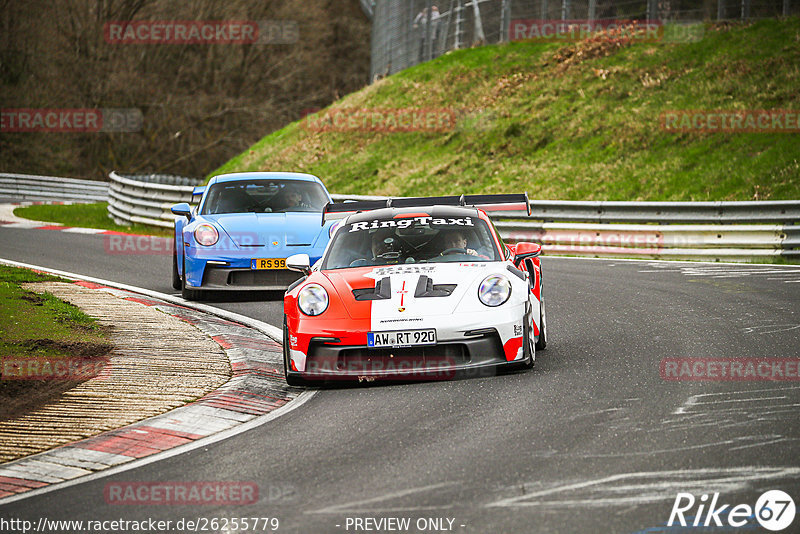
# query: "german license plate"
401,338
268,263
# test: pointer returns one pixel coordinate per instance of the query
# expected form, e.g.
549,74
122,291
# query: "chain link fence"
408,32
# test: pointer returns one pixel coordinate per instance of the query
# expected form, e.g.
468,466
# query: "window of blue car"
415,239
264,196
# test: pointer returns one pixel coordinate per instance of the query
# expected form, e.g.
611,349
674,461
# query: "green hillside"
566,121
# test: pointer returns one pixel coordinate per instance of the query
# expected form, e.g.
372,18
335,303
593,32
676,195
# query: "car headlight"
494,290
206,235
313,299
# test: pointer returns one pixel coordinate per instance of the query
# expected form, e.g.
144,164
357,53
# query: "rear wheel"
541,340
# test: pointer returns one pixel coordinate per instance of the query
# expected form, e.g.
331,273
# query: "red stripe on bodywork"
511,348
346,318
410,215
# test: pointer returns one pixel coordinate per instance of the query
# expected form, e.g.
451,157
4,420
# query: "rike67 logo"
774,510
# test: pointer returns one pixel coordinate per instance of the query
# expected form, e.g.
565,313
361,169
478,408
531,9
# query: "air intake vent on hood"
381,291
426,288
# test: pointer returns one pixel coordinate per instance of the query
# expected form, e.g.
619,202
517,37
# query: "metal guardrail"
676,230
146,199
53,188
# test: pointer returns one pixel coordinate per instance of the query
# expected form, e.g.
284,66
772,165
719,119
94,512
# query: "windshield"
416,239
264,196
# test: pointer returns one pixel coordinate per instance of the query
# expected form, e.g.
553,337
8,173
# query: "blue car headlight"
494,290
312,300
206,235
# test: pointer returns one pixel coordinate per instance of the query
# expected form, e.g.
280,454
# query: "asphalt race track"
593,440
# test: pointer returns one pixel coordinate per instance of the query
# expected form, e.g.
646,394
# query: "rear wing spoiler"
197,192
503,202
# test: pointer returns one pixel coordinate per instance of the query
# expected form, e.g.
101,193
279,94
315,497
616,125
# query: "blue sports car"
244,228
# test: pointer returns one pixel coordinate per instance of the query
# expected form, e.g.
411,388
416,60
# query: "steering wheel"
454,250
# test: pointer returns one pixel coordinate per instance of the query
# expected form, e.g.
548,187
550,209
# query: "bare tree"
201,103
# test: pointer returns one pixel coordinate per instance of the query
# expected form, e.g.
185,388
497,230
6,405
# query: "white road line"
751,399
757,410
730,479
779,440
776,327
738,392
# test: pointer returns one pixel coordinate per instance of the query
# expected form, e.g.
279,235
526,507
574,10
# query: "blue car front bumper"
207,270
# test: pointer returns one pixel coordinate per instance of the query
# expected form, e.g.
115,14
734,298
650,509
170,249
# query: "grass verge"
85,216
41,330
580,121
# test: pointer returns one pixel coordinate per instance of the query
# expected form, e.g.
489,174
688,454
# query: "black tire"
528,347
541,342
187,293
290,379
177,283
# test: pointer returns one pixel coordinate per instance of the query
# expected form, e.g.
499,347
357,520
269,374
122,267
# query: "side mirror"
524,251
299,262
182,209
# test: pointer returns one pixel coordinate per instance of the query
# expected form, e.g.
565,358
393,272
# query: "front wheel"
529,347
177,283
290,379
187,293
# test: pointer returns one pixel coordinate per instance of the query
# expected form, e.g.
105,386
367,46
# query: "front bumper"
235,279
475,355
234,274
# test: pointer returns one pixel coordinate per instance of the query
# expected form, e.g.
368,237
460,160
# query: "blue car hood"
276,229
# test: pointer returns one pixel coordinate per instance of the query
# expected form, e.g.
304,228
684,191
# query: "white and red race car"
415,288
